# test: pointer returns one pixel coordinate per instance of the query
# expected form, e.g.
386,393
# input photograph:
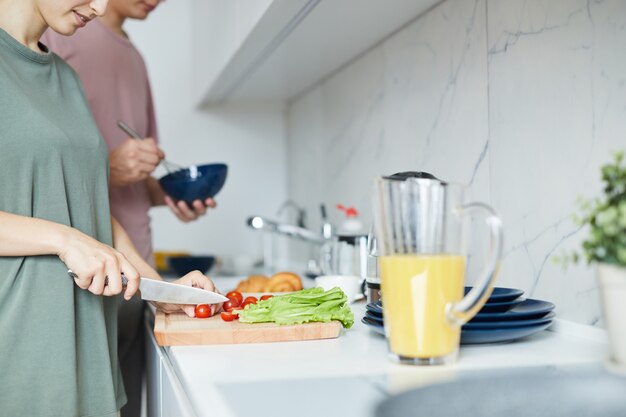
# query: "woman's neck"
22,20
114,21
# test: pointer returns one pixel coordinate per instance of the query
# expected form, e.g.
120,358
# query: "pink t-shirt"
116,82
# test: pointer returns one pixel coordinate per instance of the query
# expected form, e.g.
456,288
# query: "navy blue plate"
498,325
501,294
501,306
374,325
529,309
501,299
475,337
375,308
374,316
484,325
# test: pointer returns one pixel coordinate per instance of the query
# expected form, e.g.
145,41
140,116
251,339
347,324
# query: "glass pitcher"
421,229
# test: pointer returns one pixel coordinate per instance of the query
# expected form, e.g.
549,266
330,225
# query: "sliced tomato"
231,304
250,300
203,311
235,295
228,316
266,297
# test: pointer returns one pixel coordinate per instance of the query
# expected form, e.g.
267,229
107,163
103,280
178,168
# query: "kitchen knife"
167,292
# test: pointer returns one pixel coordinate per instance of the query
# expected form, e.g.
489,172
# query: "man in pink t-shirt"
116,82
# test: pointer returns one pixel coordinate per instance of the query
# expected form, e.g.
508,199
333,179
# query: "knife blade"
167,292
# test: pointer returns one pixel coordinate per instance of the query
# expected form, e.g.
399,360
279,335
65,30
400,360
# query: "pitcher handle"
461,312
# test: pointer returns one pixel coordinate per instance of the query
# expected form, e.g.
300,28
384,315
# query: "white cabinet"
174,402
153,374
166,396
276,49
220,27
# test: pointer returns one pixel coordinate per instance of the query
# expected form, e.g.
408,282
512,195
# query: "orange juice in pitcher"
421,235
416,290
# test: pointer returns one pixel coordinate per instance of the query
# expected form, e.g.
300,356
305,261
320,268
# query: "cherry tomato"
245,303
231,304
227,316
266,297
250,300
235,295
203,311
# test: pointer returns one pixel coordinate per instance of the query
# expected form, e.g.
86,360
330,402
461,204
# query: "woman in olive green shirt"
58,350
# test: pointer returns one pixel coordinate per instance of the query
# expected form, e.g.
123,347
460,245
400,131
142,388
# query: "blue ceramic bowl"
183,265
197,182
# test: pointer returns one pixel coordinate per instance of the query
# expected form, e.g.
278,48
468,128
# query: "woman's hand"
93,261
192,279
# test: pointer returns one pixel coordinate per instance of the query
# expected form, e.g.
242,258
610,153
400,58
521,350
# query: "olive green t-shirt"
58,343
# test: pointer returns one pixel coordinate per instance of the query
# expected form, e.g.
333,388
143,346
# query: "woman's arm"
89,259
28,236
122,242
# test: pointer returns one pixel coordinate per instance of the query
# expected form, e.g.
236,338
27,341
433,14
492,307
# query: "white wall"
523,100
251,140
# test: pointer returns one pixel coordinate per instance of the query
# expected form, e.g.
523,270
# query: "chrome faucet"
263,224
298,231
301,213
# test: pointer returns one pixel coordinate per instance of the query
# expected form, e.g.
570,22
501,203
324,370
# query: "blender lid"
401,176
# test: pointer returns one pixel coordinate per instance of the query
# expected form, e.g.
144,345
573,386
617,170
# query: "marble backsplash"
522,100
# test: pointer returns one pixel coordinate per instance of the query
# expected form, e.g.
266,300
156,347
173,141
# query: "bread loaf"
280,282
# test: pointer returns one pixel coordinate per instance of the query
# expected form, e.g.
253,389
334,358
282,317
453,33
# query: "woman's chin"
66,29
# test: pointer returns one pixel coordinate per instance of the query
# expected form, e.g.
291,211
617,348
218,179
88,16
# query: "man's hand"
133,161
186,213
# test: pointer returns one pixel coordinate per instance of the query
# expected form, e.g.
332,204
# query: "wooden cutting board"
178,329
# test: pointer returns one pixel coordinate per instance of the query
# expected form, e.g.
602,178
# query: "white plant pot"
613,293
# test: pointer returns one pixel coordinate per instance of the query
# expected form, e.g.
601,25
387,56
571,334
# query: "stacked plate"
505,317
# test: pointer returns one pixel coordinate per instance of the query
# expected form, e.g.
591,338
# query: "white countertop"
349,375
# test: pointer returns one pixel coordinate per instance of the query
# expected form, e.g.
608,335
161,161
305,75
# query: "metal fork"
169,166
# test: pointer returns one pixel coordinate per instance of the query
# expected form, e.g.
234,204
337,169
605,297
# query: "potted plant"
605,246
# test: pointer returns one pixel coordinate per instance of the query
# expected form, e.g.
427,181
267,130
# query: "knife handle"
73,275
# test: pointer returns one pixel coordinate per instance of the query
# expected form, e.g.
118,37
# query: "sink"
588,393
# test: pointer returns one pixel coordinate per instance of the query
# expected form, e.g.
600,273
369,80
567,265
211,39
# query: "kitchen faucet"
290,230
301,213
298,231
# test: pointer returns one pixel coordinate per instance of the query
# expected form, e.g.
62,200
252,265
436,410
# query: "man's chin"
140,16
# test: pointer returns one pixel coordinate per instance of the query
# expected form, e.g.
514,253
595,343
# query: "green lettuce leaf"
303,306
